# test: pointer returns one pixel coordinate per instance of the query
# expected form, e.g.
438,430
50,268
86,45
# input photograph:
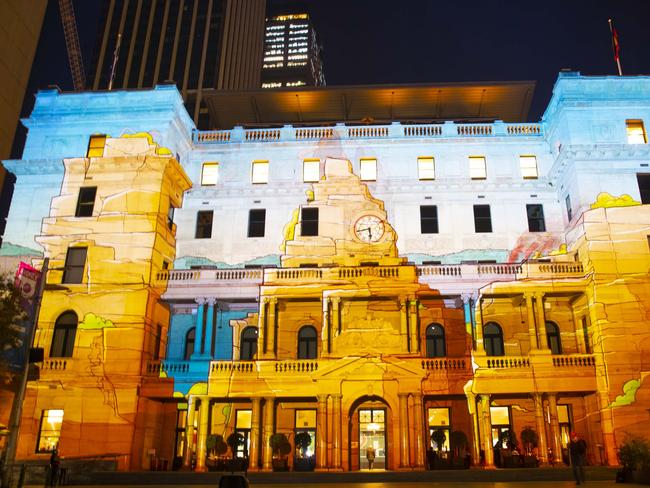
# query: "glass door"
372,439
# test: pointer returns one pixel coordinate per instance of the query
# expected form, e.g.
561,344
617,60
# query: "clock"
369,228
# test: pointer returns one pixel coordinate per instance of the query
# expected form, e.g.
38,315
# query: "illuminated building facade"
369,285
292,55
195,44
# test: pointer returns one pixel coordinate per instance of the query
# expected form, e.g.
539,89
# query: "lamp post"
17,406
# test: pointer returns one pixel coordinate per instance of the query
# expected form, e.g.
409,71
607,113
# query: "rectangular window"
50,430
368,169
426,168
644,187
204,224
170,217
86,201
535,213
209,174
477,168
428,219
260,172
482,219
635,132
256,222
569,210
309,221
75,261
310,170
96,146
528,165
156,342
500,420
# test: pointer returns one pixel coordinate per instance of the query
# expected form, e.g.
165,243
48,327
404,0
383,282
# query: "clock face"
369,228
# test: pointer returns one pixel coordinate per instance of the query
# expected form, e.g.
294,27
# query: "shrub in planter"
216,448
634,455
458,443
303,462
234,441
438,437
529,439
281,448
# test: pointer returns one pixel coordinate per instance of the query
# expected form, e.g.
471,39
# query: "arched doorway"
369,426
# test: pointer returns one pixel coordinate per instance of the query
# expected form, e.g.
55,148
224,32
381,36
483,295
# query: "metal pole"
17,407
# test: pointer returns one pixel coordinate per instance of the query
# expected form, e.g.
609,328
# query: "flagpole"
616,48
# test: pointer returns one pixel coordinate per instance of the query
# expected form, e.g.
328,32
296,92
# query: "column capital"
467,296
272,300
211,301
336,396
539,294
403,394
200,300
322,397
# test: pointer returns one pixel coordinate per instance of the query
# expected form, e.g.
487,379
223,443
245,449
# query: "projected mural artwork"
358,319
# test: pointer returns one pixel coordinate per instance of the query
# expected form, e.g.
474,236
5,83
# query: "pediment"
371,369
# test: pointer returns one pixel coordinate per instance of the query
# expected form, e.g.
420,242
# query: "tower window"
209,174
569,209
368,169
50,430
477,168
204,224
96,146
65,330
528,165
426,168
260,172
310,170
86,201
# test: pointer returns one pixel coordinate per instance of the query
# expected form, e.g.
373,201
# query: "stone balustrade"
501,362
54,364
445,364
395,130
169,367
574,360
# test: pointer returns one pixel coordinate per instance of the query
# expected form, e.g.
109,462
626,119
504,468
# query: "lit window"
528,165
96,146
635,132
426,168
439,428
50,430
260,172
210,174
75,261
477,168
310,170
295,83
368,167
271,85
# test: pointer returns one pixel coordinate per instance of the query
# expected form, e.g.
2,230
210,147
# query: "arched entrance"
369,426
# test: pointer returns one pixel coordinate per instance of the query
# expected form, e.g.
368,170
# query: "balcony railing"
169,367
499,362
54,365
586,360
445,364
395,130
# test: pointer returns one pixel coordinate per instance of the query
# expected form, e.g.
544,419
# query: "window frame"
536,223
632,137
426,221
248,346
422,172
70,270
312,163
189,350
553,332
257,227
473,168
479,220
95,149
490,350
214,173
523,168
84,202
200,229
436,344
259,176
311,343
569,208
64,335
368,163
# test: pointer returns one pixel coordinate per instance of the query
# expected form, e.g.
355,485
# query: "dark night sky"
420,41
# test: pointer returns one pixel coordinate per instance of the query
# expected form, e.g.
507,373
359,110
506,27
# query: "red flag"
615,45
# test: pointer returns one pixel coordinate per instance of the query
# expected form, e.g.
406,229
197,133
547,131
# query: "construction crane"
72,44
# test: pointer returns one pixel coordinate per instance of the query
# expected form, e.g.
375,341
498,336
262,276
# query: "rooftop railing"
395,130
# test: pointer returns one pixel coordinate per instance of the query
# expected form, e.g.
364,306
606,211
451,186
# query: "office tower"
198,44
292,54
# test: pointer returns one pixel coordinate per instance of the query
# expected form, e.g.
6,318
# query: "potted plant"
216,447
634,455
529,439
234,441
303,462
438,437
281,448
509,455
458,443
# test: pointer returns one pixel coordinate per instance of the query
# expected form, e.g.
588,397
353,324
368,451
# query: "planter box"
280,465
304,464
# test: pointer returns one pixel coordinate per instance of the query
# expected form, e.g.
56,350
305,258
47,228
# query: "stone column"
261,329
556,440
335,320
469,320
189,433
198,331
403,322
321,433
480,347
253,452
418,431
325,328
337,443
474,411
202,435
607,429
541,322
209,327
542,450
272,323
267,432
413,325
532,328
404,461
486,429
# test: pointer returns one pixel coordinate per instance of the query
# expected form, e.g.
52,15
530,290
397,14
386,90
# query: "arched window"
553,338
307,342
248,344
190,337
65,330
493,339
436,347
